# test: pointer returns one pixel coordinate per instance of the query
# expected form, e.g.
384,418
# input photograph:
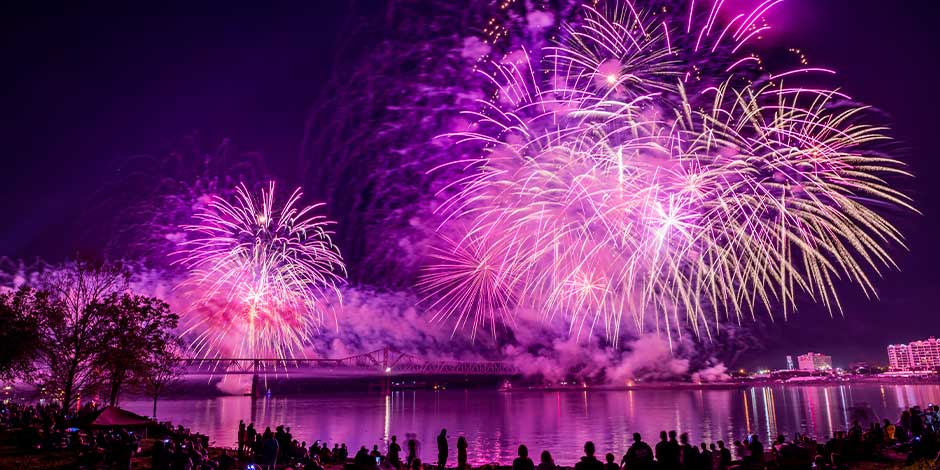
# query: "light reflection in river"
495,423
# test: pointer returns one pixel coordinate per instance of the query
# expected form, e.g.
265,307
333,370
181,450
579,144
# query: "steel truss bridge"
381,362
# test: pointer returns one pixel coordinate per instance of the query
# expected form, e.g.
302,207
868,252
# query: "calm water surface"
495,422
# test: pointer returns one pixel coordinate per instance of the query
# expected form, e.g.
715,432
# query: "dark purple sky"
85,86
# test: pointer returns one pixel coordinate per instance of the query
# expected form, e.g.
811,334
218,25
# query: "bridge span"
384,362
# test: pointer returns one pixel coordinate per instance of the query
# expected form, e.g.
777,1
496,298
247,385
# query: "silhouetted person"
546,462
705,457
725,456
609,462
269,449
412,449
523,462
250,435
662,449
688,454
756,450
639,456
442,449
462,453
589,462
667,451
362,460
242,437
394,452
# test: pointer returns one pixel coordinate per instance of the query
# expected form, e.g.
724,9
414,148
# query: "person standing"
412,449
639,456
242,437
688,454
724,456
756,451
394,451
462,453
269,450
705,457
662,450
251,434
442,449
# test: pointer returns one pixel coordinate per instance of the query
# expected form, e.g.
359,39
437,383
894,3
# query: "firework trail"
646,170
262,273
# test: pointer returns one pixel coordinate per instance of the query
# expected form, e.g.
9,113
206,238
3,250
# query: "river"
496,422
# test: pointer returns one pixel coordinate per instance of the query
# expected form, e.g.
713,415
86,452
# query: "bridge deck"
384,361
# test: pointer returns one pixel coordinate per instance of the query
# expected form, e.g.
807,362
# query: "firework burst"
647,167
262,274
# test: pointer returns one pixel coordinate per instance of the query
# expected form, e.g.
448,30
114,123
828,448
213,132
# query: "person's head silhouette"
589,449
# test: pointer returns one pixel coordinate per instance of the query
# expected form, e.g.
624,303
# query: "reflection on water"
495,423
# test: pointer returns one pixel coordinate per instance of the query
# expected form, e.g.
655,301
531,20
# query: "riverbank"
495,423
14,457
68,460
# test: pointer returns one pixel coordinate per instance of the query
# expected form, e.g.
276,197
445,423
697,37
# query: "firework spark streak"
646,170
261,273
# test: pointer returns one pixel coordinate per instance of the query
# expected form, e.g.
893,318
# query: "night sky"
87,85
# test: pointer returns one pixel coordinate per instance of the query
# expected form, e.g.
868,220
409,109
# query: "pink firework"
647,170
262,274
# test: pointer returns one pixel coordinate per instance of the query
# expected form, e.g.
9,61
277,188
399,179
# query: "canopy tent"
114,416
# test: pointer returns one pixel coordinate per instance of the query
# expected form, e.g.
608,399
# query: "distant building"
916,355
790,363
814,361
899,357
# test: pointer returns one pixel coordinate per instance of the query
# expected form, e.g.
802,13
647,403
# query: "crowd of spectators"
180,449
279,448
915,434
43,427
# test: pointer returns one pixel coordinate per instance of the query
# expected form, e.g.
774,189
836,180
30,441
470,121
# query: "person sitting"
889,430
523,462
546,462
609,462
362,460
589,461
314,463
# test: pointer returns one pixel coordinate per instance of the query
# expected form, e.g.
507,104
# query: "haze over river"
496,422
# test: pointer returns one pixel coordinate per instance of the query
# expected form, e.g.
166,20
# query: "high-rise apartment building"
916,355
